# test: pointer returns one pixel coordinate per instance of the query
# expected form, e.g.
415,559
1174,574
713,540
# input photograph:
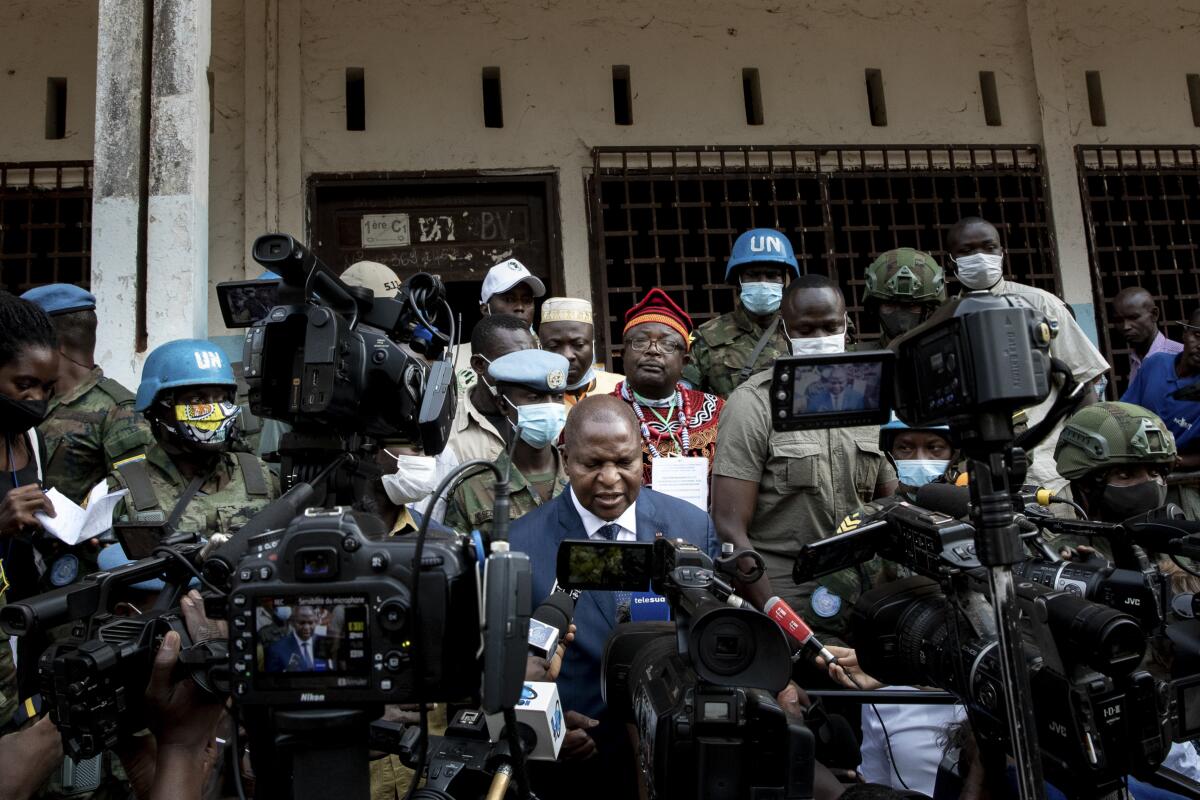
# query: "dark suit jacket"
852,400
280,655
538,534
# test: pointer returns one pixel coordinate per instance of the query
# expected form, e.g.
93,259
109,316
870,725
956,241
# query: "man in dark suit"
837,393
602,451
297,651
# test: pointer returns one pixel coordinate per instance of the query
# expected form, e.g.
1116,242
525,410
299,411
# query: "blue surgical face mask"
920,471
541,423
762,297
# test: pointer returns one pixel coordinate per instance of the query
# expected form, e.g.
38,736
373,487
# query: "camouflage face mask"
205,423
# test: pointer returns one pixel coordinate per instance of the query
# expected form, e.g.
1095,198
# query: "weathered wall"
279,72
40,39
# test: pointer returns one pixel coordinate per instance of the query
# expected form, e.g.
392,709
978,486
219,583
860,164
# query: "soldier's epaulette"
115,390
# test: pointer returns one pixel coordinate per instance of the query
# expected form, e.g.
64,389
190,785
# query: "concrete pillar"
119,48
177,233
1062,174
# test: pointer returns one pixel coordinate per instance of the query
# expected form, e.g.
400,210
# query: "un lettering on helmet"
766,244
208,359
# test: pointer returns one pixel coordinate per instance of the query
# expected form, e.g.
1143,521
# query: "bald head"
1136,314
595,411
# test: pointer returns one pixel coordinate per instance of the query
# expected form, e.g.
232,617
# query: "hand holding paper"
73,524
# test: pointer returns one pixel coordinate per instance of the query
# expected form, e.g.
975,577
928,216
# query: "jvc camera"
318,614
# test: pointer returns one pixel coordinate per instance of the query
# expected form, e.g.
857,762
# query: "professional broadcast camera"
701,690
94,682
342,367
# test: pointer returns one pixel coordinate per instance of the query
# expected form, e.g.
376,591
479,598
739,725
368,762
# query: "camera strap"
185,498
747,370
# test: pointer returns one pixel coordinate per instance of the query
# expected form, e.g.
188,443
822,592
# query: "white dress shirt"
626,523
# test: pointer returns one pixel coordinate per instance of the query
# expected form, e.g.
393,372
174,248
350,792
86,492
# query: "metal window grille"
1141,208
668,216
45,223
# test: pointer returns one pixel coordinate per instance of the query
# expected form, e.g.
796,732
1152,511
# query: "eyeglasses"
667,346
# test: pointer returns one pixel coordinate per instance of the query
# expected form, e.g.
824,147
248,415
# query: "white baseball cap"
379,278
505,276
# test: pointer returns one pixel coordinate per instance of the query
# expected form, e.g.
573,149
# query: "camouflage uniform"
8,672
240,487
721,348
87,431
471,505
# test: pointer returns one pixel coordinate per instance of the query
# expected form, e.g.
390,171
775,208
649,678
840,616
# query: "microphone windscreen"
954,501
556,610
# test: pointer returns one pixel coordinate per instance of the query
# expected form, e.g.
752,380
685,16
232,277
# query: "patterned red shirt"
700,412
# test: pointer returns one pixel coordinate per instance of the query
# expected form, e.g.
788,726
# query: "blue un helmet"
894,426
762,245
183,362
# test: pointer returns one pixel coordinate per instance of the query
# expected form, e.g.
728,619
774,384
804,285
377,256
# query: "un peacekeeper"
529,390
1116,456
904,286
729,349
91,423
775,491
189,477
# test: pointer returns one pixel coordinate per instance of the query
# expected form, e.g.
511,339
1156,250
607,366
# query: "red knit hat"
657,306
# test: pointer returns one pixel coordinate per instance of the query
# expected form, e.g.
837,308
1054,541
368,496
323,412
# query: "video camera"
343,367
700,690
94,683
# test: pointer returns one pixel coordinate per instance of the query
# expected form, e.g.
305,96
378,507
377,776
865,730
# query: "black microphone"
219,565
945,498
550,623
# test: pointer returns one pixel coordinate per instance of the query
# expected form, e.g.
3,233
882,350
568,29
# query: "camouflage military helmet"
1107,434
905,275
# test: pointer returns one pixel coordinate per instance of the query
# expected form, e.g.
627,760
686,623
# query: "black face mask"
899,322
18,416
1123,502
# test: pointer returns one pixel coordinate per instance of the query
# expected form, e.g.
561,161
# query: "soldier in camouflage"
189,479
91,423
729,349
904,286
529,389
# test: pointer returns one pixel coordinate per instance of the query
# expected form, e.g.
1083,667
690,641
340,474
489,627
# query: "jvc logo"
1133,601
766,244
1059,728
207,359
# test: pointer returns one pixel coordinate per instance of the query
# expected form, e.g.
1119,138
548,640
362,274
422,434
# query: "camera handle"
998,546
321,752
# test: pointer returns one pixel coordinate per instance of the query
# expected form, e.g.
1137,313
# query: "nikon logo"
312,697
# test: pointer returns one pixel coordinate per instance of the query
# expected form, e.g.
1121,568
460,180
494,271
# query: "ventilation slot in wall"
752,95
875,100
991,100
356,99
56,108
493,104
1096,99
622,95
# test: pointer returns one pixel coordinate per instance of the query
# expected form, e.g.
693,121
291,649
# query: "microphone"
550,623
540,722
796,627
953,501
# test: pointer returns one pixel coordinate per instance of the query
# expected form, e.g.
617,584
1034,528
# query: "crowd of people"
681,444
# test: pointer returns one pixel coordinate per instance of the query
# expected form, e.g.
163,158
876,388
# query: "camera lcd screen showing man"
836,387
324,635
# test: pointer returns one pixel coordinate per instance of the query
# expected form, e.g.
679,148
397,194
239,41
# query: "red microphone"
796,627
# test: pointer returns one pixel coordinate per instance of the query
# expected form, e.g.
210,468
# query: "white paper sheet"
685,478
73,524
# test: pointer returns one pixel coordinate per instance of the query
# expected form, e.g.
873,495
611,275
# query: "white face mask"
980,270
818,345
415,478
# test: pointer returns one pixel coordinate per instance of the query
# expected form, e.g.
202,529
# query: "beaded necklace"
677,400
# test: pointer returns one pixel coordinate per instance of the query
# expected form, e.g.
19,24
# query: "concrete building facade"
612,145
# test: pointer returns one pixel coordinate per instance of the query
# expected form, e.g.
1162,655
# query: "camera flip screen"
244,303
300,638
617,566
832,390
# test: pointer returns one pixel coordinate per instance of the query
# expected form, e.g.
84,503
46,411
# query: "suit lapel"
647,525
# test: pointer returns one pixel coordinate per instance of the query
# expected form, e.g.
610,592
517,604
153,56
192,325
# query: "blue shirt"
1151,389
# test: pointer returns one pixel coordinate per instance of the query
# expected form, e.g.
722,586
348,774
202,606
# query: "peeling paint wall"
279,74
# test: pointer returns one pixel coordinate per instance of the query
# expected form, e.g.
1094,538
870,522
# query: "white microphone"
540,722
